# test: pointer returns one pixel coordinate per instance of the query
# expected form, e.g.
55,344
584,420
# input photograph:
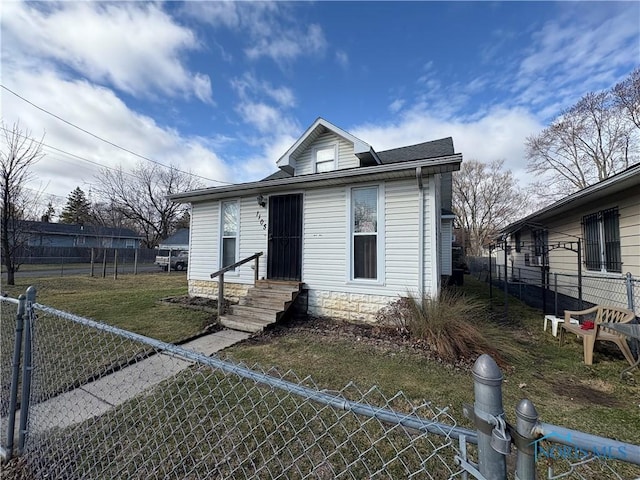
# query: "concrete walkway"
96,398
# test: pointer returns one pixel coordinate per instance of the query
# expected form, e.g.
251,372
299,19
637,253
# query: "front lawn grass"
564,390
131,302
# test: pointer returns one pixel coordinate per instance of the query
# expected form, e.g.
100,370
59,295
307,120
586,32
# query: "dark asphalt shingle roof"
277,175
433,149
420,151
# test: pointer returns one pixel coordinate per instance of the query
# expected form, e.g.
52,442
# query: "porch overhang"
391,171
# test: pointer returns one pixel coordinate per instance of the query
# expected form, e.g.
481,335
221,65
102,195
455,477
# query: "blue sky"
223,89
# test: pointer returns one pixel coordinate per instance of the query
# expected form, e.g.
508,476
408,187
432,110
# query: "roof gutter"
335,177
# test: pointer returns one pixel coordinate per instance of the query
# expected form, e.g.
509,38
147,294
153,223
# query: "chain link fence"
555,292
107,403
8,313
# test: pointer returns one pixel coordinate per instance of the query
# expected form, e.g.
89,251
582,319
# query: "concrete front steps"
264,304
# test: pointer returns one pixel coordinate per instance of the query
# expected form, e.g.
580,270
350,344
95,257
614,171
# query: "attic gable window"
325,159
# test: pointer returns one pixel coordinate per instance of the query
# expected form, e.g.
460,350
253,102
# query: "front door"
284,257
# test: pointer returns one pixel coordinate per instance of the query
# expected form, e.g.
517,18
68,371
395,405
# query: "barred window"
540,240
601,234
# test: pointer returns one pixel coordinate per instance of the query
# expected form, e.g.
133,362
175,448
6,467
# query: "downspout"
420,232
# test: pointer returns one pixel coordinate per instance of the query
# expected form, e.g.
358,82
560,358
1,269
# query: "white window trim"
235,271
325,147
380,247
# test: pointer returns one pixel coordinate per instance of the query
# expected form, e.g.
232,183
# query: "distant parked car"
179,260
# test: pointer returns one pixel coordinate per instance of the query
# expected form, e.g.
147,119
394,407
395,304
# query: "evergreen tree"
77,210
49,213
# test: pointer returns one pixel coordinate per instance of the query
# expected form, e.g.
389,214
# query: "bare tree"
587,143
21,152
140,197
626,95
485,198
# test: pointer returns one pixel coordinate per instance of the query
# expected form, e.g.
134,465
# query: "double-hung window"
325,159
229,233
364,228
601,233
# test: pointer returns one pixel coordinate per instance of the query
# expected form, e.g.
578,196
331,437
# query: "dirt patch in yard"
587,392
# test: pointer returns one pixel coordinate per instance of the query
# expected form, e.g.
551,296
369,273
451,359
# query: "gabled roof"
420,151
621,181
77,230
320,126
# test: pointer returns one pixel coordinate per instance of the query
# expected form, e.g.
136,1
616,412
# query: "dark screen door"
284,261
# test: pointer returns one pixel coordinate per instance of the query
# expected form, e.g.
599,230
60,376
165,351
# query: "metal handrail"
237,264
220,274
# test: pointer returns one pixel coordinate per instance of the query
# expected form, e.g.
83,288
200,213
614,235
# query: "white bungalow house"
355,227
583,246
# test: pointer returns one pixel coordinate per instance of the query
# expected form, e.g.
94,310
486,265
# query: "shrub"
448,324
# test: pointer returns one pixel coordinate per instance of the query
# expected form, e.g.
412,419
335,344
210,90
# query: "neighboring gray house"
177,241
358,227
596,229
45,234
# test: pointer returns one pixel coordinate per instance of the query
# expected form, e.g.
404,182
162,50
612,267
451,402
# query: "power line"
107,141
70,154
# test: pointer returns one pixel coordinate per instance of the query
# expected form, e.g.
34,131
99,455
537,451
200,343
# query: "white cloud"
248,86
396,105
135,47
578,52
269,28
499,134
109,118
342,58
286,45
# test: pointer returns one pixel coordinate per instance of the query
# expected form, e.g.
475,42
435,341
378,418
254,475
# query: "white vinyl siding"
253,238
326,247
204,240
324,238
204,256
305,162
401,236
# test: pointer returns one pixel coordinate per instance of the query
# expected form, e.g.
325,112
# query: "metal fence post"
26,368
555,294
526,421
487,389
630,299
13,395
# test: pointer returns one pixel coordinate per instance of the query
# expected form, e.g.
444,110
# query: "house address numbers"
262,221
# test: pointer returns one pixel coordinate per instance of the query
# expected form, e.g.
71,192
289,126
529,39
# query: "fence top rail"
613,449
9,300
411,421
